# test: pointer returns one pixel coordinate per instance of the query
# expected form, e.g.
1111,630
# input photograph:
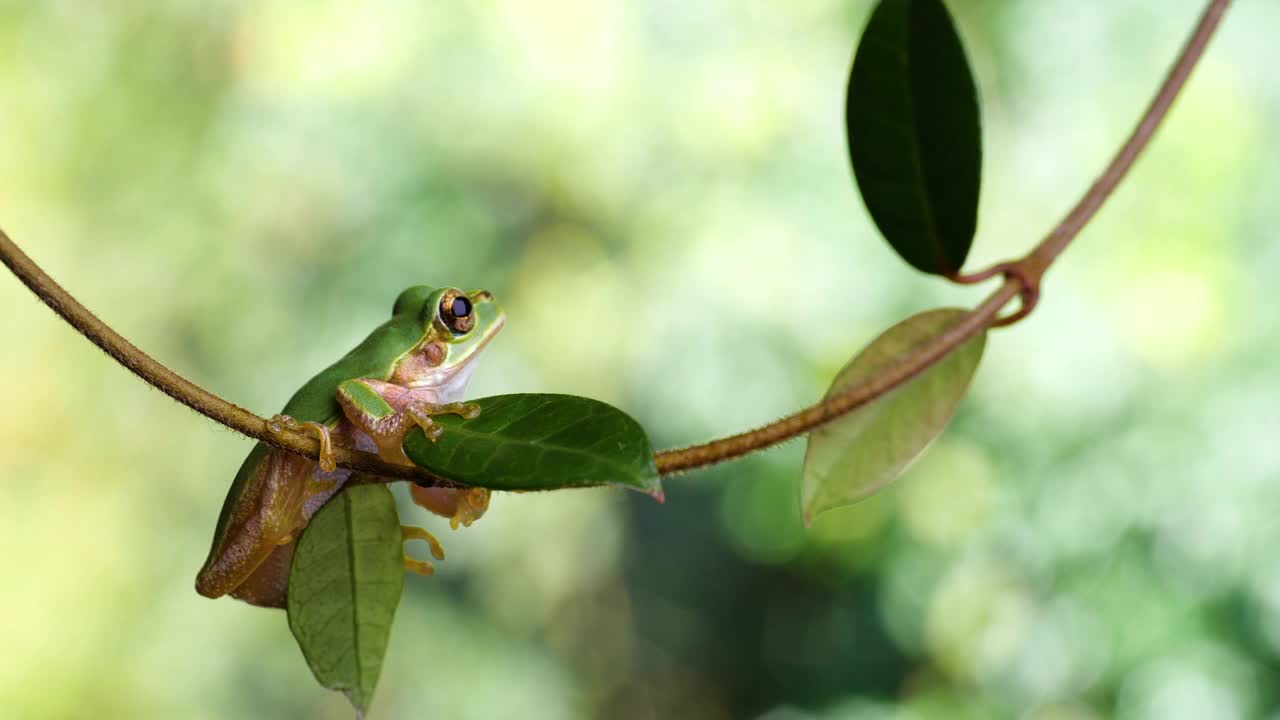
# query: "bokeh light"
242,188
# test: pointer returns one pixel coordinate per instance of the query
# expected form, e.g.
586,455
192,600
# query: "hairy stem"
1022,278
178,387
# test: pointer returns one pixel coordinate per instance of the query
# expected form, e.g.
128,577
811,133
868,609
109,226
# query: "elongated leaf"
540,442
850,459
914,133
344,586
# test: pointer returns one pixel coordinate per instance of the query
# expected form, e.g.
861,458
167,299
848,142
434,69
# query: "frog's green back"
317,400
374,357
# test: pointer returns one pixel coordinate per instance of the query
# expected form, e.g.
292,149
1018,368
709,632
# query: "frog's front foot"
421,567
422,414
279,424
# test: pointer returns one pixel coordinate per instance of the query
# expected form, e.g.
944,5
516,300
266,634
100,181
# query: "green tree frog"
410,368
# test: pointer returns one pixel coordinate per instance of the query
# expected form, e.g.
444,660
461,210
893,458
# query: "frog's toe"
413,532
431,429
468,411
472,504
422,413
421,416
421,567
462,506
281,424
327,463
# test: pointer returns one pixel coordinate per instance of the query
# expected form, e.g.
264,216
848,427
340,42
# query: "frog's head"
456,325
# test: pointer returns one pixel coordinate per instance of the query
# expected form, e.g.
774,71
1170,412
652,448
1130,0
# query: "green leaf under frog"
914,133
850,459
540,442
344,586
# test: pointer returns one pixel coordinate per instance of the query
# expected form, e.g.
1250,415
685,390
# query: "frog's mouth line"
445,377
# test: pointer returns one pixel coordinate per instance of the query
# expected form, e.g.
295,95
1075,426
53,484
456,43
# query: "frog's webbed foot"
472,504
421,567
422,412
462,506
279,424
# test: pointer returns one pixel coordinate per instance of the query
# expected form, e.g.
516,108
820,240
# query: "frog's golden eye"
456,312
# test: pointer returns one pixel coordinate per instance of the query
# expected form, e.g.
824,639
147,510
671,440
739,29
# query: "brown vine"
1022,279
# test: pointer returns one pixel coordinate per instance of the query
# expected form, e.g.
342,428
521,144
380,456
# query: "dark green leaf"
850,459
345,583
914,133
540,442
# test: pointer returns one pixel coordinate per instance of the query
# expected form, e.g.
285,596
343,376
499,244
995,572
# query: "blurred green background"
658,193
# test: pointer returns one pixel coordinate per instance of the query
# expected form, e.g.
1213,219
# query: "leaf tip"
810,512
655,491
357,701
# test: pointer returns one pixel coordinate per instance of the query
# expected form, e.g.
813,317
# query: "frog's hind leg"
268,585
460,505
266,512
421,567
279,495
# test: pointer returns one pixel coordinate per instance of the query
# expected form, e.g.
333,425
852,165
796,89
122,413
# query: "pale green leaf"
344,586
850,459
